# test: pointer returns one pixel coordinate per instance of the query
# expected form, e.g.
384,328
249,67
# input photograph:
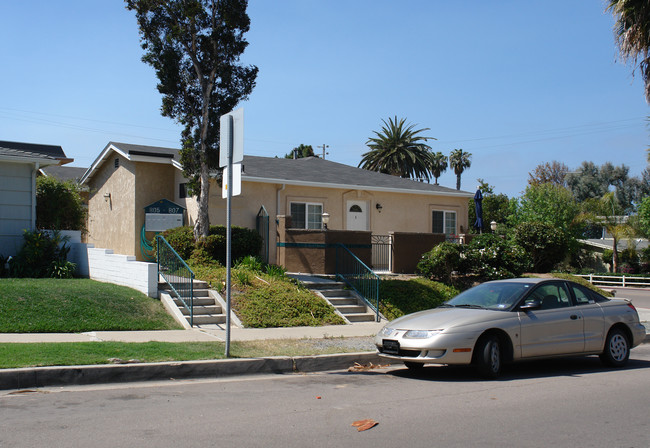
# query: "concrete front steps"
347,303
207,309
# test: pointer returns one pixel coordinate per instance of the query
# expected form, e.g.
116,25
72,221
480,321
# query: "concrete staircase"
347,303
207,310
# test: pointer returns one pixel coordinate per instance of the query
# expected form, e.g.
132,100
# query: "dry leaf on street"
363,425
361,367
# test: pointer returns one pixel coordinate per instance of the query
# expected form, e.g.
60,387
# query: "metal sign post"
232,144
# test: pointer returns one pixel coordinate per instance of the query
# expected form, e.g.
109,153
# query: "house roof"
622,244
136,153
308,171
32,152
317,172
64,173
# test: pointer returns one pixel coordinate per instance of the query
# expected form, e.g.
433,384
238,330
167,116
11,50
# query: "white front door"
357,215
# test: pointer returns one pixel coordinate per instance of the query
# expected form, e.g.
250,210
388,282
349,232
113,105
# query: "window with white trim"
443,222
306,215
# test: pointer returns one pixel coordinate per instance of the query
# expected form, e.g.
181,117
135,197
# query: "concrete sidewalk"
203,334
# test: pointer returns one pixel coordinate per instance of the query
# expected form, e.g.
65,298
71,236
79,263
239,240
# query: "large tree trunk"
615,257
202,226
458,182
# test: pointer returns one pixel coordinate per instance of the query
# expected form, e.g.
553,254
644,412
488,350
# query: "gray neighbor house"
20,164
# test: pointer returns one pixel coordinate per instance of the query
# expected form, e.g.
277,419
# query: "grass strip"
15,355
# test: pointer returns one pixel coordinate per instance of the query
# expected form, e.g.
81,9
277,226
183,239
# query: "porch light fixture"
378,207
326,219
493,226
107,197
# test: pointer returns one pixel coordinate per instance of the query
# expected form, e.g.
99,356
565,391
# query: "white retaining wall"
105,266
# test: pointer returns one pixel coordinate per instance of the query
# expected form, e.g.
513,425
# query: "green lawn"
90,353
77,305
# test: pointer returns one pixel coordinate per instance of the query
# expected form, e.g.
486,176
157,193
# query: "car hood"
445,318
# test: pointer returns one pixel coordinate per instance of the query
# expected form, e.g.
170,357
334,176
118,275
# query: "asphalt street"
568,402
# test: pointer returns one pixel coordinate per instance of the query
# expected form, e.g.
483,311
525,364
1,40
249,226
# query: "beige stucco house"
125,178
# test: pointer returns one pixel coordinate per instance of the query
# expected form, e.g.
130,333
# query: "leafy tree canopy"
590,181
300,152
59,205
551,204
554,172
194,47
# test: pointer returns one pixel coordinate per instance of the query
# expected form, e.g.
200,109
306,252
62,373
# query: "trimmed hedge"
245,242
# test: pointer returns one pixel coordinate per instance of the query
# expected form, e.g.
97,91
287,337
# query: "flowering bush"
440,262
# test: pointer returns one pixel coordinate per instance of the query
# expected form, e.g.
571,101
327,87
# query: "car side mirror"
531,304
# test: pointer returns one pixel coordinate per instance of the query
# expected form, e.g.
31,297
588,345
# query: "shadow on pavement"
561,367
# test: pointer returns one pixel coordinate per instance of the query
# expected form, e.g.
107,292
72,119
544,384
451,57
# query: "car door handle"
574,316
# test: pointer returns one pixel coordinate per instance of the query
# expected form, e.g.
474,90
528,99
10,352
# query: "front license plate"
391,347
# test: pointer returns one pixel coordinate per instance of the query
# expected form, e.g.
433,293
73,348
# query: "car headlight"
386,331
421,334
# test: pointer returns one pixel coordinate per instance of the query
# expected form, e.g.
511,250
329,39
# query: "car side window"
582,297
552,295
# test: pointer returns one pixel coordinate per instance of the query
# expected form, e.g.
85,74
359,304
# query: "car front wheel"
617,349
489,357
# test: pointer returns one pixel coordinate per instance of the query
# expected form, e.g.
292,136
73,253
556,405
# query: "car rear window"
585,295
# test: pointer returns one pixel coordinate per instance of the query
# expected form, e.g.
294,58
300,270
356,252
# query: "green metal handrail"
176,273
358,276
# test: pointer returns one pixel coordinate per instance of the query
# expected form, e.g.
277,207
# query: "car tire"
489,357
414,366
617,348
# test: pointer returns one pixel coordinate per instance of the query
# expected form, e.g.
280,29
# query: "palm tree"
438,165
459,160
400,150
607,212
632,30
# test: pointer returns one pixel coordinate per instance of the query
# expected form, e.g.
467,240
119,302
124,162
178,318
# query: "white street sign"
236,181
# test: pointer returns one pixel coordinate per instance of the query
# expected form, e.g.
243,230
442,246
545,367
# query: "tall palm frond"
398,149
459,160
632,32
438,165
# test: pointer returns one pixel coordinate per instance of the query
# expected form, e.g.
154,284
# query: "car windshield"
500,296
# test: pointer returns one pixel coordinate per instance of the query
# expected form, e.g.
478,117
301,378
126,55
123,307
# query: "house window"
182,190
117,163
305,215
444,222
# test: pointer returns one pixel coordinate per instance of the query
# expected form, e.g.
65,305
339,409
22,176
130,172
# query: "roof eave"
355,187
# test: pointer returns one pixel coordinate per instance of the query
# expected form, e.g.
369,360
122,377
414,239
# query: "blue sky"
514,83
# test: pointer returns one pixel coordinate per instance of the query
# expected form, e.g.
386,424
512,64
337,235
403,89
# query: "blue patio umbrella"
478,207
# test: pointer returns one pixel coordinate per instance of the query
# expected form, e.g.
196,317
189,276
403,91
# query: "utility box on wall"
163,215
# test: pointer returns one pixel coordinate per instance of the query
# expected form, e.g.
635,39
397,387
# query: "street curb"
31,377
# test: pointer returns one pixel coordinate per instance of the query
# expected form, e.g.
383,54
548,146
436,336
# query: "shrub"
59,205
400,297
251,263
545,245
608,256
440,262
181,239
275,271
245,242
42,255
491,257
283,305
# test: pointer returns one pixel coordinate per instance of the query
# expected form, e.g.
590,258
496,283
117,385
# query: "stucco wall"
400,212
111,219
153,181
17,197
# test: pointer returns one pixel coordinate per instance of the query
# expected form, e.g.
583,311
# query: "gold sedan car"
514,320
